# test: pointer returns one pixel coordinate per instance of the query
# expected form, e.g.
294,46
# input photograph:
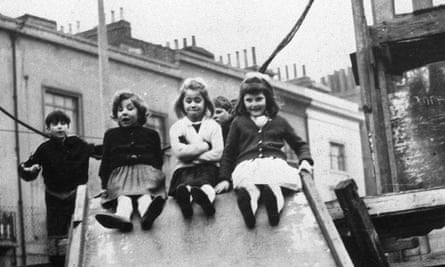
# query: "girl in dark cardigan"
253,155
131,166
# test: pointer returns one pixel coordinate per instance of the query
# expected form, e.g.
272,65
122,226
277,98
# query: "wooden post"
371,100
360,226
382,10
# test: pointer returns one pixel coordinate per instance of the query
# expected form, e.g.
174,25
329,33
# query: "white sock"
209,191
189,188
124,207
254,194
143,204
276,189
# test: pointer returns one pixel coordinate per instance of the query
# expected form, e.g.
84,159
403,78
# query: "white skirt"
266,171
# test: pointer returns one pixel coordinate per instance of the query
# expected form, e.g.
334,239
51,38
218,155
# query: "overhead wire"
287,38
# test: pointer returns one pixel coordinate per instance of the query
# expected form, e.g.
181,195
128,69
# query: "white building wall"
325,127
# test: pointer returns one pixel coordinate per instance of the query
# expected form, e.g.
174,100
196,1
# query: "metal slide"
306,236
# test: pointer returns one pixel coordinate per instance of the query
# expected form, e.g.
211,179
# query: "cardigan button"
260,155
260,142
260,131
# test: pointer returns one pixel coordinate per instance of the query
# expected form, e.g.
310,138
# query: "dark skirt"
198,175
135,180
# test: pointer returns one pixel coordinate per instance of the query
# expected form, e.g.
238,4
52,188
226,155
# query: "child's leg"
149,209
247,198
124,207
274,200
121,219
184,199
204,196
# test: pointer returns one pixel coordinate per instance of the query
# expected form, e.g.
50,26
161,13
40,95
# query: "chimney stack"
193,40
229,60
221,59
167,44
246,64
112,16
61,28
238,65
304,70
77,26
70,28
279,74
184,42
295,70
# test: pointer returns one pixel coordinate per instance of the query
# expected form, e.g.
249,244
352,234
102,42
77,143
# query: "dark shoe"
183,198
152,212
114,221
271,206
244,206
201,198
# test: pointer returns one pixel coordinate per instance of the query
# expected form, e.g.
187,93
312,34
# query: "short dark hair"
223,102
57,116
256,83
137,101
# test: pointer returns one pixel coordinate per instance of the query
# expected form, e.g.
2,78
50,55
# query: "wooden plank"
78,226
360,226
325,222
385,83
412,26
395,202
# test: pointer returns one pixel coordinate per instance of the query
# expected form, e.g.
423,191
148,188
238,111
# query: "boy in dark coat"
64,162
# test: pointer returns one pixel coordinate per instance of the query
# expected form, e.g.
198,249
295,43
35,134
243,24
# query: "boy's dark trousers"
58,218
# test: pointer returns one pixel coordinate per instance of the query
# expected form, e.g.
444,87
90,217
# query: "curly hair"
196,84
137,101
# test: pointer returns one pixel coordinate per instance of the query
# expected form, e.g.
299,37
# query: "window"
156,121
337,156
68,103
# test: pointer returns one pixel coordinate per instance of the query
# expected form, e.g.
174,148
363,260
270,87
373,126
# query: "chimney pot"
287,72
167,44
193,40
121,13
184,42
253,56
176,44
229,60
238,65
70,28
78,26
112,16
246,64
295,70
304,70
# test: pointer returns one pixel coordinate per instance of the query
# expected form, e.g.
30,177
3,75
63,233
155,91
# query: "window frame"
342,155
67,94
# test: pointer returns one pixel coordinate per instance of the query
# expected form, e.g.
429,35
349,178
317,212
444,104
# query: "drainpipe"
13,38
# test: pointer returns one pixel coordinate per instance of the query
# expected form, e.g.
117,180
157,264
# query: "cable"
286,39
23,123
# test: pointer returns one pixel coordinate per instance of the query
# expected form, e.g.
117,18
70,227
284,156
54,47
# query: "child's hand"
305,166
33,168
222,187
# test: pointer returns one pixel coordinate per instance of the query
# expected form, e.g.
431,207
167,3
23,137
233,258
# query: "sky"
323,42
